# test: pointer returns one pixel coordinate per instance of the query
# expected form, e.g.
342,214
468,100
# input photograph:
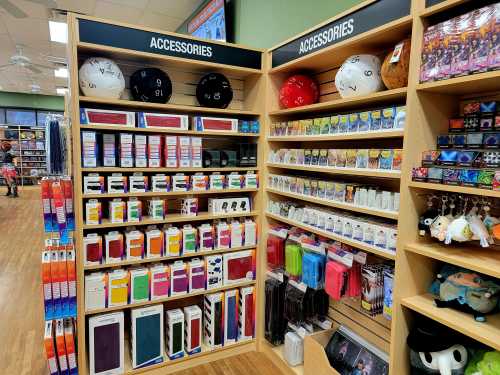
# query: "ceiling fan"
23,61
17,12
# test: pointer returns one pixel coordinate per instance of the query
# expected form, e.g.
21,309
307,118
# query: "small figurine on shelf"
466,291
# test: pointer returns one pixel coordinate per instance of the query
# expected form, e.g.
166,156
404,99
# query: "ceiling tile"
117,12
139,4
27,30
174,8
160,21
3,28
77,6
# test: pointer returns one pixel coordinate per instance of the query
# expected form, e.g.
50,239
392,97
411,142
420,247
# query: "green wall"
14,99
265,23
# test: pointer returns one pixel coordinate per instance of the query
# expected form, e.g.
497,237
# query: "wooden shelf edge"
170,298
166,106
332,203
455,189
168,131
338,137
166,169
483,260
173,218
167,258
473,83
487,332
170,193
357,244
442,6
399,93
333,170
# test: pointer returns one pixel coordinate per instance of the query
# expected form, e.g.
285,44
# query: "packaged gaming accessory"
196,272
199,182
160,281
215,124
134,210
189,206
90,149
134,245
162,121
293,259
172,241
451,176
115,249
189,239
180,182
385,161
108,117
456,125
362,158
106,339
364,121
435,175
155,151
175,333
117,183
138,183
217,181
184,152
491,159
335,278
487,117
274,329
246,321
467,158
139,285
213,320
236,229
388,116
313,270
485,179
247,155
211,158
293,350
156,209
235,180
92,243
222,235
171,146
228,158
95,291
196,152
376,123
238,267
117,211
140,151
93,184
231,303
448,158
353,124
193,330
213,264
334,124
250,232
294,309
93,212
206,237
147,336
445,141
126,148
475,140
178,278
491,140
430,158
117,289
275,252
154,242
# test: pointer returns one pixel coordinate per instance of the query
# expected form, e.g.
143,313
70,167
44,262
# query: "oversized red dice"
298,90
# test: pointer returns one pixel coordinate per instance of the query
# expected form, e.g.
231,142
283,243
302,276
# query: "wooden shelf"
171,298
172,218
169,194
205,351
167,258
346,171
166,170
277,353
487,332
167,61
341,205
338,137
471,84
357,244
167,131
175,108
455,189
441,7
376,39
483,260
388,96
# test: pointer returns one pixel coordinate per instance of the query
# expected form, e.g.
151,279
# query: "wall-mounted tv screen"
210,22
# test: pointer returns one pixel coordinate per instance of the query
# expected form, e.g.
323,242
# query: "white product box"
141,151
213,322
156,209
251,180
93,184
192,319
175,341
222,235
95,291
135,274
171,152
138,183
199,182
155,151
89,149
213,264
238,267
126,150
154,242
118,283
250,232
109,151
117,183
217,181
196,152
180,182
184,152
236,234
235,181
160,183
117,211
134,210
172,241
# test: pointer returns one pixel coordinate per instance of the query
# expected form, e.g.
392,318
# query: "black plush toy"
426,220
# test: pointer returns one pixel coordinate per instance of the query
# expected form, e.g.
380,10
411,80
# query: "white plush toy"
359,75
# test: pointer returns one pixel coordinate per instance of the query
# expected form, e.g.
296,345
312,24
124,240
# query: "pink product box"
90,116
155,151
171,151
162,120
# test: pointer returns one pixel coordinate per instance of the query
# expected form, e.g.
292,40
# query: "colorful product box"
199,182
184,152
214,124
92,245
196,152
160,183
95,291
115,248
154,242
213,265
155,151
140,151
134,210
90,151
117,211
109,150
162,120
126,148
178,278
93,212
138,183
117,183
106,117
134,245
196,272
239,267
160,281
172,241
246,313
93,184
193,332
118,284
171,152
189,239
139,285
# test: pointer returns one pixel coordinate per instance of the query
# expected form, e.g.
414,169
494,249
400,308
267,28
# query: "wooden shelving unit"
455,189
345,171
338,137
248,84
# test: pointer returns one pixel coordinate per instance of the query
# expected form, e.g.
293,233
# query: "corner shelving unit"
185,70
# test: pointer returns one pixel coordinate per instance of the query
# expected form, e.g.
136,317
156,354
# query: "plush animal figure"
458,230
484,363
439,227
435,349
426,220
395,67
466,291
479,230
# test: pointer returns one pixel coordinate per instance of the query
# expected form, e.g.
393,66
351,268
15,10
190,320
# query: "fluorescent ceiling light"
58,31
61,72
61,90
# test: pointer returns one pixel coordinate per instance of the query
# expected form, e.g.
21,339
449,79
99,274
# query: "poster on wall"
210,22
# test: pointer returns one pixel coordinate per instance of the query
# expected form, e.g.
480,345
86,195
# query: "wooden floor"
21,305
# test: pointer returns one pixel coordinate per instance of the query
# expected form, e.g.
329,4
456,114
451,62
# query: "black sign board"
364,19
429,3
163,44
